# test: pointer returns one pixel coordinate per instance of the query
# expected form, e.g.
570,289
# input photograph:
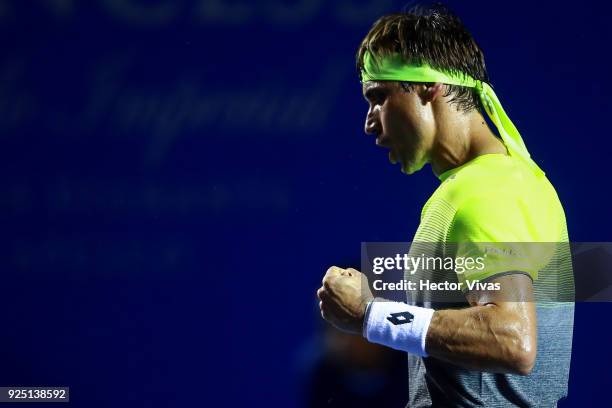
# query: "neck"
463,139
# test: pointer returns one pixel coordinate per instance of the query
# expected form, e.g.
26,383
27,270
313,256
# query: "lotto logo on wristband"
400,318
400,336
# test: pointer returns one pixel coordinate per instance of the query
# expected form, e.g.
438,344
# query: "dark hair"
430,35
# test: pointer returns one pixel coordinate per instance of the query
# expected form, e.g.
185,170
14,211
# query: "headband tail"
509,133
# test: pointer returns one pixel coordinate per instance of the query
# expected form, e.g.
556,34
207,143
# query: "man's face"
400,122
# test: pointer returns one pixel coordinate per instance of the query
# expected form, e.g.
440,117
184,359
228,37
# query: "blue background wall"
177,176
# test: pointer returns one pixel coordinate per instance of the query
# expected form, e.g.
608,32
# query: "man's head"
408,117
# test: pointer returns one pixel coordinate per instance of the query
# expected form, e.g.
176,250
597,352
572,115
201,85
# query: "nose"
371,124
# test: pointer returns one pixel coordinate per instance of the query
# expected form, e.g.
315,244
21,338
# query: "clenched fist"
344,296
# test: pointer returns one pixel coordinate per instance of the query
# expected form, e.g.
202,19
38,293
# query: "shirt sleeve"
496,234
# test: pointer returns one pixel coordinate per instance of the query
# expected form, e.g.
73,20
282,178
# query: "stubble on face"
407,120
401,123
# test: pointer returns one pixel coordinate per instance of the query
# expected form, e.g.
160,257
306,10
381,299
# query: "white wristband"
397,325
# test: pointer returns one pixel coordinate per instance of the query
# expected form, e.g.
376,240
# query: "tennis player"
428,92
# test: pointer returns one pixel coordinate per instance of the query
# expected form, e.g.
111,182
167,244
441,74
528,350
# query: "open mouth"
382,142
386,143
392,157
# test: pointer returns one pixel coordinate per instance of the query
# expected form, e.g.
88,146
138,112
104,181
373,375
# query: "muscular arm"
497,333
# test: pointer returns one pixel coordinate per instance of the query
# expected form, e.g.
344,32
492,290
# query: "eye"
375,96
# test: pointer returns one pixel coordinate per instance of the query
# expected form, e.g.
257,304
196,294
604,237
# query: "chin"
411,168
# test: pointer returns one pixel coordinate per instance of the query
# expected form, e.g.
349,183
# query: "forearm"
490,335
484,337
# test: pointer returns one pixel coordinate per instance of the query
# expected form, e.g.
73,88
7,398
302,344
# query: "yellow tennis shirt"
495,207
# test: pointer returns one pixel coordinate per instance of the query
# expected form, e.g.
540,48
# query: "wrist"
364,317
397,325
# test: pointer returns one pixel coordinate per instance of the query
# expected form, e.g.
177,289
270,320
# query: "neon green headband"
394,68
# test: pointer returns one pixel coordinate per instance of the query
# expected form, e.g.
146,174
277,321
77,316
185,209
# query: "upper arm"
514,287
513,304
501,229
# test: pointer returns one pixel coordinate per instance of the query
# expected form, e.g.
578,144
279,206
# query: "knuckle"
320,293
330,270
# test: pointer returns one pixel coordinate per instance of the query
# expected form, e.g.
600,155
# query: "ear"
432,91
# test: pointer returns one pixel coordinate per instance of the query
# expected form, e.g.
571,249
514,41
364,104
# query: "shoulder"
510,213
485,176
496,198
